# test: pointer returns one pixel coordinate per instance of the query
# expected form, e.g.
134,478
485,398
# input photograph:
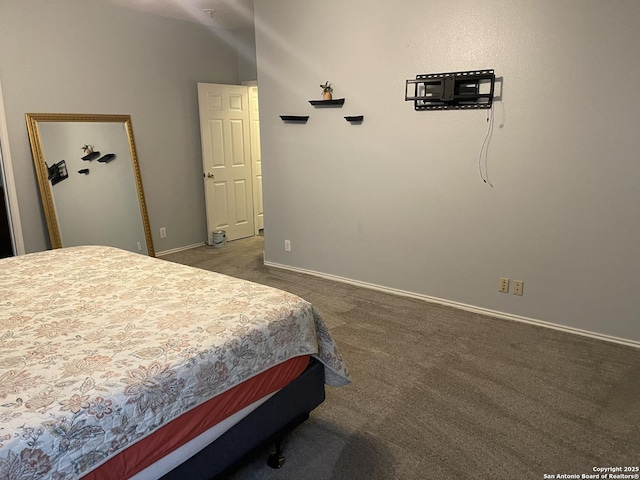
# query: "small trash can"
218,238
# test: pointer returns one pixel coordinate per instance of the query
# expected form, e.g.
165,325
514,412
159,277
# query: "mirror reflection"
89,181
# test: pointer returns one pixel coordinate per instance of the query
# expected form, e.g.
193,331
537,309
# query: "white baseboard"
461,306
179,249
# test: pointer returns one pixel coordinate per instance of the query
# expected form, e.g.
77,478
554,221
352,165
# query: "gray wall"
247,68
82,56
399,202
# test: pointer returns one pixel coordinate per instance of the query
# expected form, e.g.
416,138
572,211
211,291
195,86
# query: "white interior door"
254,119
226,157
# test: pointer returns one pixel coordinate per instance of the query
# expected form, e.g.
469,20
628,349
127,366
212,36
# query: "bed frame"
266,425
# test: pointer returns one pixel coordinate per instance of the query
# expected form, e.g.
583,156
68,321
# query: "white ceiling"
229,14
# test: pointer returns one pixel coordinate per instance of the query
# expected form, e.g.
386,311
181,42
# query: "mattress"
191,424
99,348
185,452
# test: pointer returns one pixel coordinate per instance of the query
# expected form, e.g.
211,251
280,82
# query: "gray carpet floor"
439,393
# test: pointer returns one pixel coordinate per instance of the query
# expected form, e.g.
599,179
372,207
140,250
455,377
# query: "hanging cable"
485,148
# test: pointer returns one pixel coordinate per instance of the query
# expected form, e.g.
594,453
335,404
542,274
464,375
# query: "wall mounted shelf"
90,156
107,158
354,118
294,118
338,102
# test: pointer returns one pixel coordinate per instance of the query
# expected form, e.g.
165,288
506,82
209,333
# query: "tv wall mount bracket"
472,89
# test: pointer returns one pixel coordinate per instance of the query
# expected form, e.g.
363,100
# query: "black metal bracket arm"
454,90
57,172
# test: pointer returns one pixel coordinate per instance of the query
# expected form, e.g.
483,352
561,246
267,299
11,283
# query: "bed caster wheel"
276,460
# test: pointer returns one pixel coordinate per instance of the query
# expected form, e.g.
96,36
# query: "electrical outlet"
503,285
139,246
287,245
163,232
518,287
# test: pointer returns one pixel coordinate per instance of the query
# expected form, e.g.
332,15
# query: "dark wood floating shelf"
327,103
107,158
91,156
354,118
295,118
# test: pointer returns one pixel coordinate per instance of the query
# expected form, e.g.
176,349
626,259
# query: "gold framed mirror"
89,180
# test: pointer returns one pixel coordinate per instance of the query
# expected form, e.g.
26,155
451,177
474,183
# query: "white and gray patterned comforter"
99,347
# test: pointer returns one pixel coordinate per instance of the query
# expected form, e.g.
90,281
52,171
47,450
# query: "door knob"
210,175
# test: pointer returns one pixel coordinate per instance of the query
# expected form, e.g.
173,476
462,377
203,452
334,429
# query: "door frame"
15,226
256,161
256,192
250,132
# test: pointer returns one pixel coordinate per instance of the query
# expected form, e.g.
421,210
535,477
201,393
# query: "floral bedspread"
100,347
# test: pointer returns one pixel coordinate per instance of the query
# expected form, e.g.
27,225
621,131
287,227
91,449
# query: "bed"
118,365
